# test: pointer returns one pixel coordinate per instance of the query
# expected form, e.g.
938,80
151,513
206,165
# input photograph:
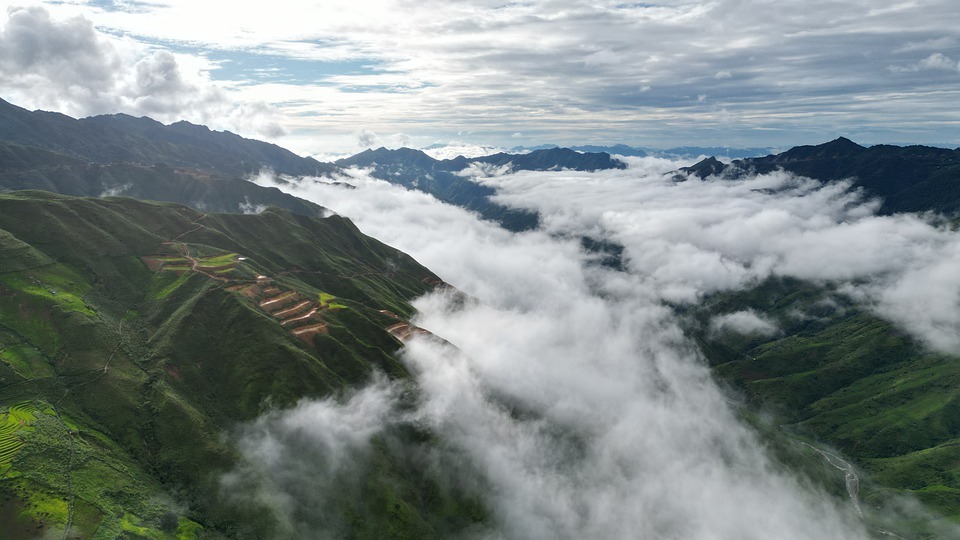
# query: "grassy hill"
836,374
133,335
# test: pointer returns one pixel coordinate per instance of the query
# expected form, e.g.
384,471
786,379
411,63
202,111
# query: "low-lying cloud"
287,455
571,386
688,239
746,322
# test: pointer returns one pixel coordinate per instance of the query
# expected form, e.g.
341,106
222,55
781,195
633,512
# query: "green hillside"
837,375
135,335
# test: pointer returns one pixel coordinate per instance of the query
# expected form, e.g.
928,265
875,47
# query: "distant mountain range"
680,152
444,179
907,178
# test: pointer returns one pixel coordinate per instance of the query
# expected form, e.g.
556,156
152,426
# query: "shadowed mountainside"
123,138
908,178
26,167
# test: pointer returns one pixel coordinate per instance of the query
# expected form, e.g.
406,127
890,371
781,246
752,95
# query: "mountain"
25,167
123,138
134,335
414,169
684,152
679,152
142,158
837,373
908,178
617,149
445,179
549,159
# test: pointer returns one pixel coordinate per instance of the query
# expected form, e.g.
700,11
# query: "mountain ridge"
109,138
135,334
907,178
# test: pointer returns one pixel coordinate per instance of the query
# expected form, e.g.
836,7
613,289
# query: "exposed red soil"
173,371
404,331
153,264
306,333
294,311
277,302
295,321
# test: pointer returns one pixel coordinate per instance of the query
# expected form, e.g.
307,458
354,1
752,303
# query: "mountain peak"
841,143
841,147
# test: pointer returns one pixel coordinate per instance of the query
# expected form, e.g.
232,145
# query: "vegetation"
839,376
133,338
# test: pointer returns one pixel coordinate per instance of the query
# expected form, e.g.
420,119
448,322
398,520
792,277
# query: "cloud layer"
726,72
688,239
571,386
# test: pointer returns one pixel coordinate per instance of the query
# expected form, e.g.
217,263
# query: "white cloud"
67,65
621,432
746,322
367,139
458,148
941,62
434,68
298,463
934,62
693,238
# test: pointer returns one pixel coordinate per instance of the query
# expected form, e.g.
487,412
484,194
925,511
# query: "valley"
149,348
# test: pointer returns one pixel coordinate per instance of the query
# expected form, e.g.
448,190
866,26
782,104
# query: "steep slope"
135,335
27,167
907,178
833,372
122,138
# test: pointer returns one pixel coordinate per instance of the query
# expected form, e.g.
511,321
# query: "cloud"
435,68
746,322
67,65
571,386
246,207
302,462
458,148
693,238
939,61
928,44
366,138
601,58
934,62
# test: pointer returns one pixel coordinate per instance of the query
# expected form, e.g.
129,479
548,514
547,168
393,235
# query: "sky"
335,77
623,431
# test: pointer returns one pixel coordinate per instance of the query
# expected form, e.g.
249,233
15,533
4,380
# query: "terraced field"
302,317
181,261
18,417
